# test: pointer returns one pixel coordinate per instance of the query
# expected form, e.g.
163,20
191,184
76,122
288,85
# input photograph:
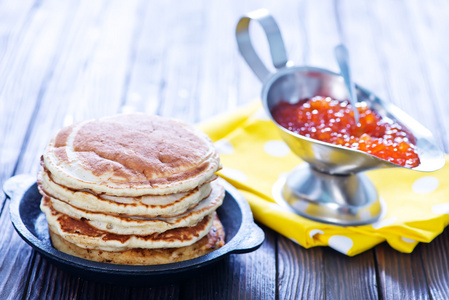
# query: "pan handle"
275,42
18,184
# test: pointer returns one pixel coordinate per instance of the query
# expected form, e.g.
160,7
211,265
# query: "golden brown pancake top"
136,147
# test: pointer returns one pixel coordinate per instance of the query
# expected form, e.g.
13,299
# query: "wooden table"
66,61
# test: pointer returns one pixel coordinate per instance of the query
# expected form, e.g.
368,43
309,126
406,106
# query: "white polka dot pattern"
383,223
276,148
442,208
407,240
341,243
425,185
313,232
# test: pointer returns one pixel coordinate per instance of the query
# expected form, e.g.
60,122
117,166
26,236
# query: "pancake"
141,225
132,189
131,155
83,235
146,205
212,241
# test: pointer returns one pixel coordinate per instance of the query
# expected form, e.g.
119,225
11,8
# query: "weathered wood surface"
66,61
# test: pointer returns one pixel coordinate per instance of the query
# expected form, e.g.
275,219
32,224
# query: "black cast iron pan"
242,235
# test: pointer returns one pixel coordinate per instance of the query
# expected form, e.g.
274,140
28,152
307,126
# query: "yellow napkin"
254,156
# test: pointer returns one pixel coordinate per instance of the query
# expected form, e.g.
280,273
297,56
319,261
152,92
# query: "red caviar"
332,121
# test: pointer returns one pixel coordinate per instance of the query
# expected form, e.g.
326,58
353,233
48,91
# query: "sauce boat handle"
275,42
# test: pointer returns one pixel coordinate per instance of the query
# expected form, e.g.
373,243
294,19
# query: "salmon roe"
332,121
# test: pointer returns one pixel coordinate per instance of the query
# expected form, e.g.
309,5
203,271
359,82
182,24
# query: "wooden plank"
320,273
240,276
322,34
14,257
23,73
181,61
47,281
14,16
301,274
170,291
218,83
50,282
93,290
23,76
350,277
429,24
359,36
435,265
401,276
145,82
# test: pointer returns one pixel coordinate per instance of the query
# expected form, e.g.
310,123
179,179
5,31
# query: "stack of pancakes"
132,189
